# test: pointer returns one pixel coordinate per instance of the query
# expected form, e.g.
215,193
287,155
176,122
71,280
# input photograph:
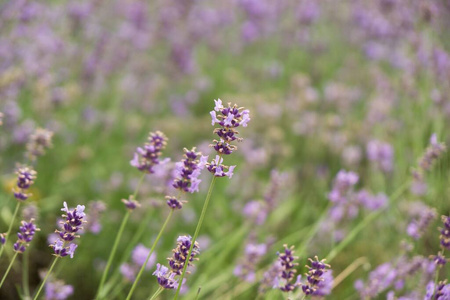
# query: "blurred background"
357,85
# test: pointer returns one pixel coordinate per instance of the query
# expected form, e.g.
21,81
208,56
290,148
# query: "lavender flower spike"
25,235
38,143
188,170
287,274
445,233
314,275
72,224
25,178
147,157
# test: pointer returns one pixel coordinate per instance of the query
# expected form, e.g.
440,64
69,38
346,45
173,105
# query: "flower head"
25,178
180,254
188,170
25,235
315,275
146,157
228,118
74,219
131,203
38,143
445,233
57,290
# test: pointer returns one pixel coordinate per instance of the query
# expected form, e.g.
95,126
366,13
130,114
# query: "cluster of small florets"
246,268
180,253
174,203
445,233
131,203
38,142
145,158
166,276
25,235
287,274
314,275
229,118
218,169
25,178
188,170
342,186
70,227
432,153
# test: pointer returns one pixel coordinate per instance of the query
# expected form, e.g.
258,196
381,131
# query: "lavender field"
242,149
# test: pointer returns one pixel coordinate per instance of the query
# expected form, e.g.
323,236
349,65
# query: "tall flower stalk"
64,245
144,159
186,180
24,237
228,118
25,178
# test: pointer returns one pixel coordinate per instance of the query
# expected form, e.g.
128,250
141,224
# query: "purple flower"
188,170
166,279
228,119
284,279
382,154
131,203
25,235
247,267
148,156
2,238
25,178
342,186
128,271
445,233
432,153
70,228
57,290
139,255
38,143
180,253
326,285
314,276
421,216
217,168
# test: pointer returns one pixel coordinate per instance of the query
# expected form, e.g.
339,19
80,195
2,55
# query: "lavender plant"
68,232
228,118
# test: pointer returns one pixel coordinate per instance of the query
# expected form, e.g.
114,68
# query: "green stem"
25,281
10,227
46,277
9,268
157,293
197,231
113,252
148,256
436,277
116,242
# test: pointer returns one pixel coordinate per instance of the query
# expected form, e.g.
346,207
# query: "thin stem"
25,281
113,252
157,293
436,277
116,242
46,277
197,231
10,227
148,256
9,268
349,270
